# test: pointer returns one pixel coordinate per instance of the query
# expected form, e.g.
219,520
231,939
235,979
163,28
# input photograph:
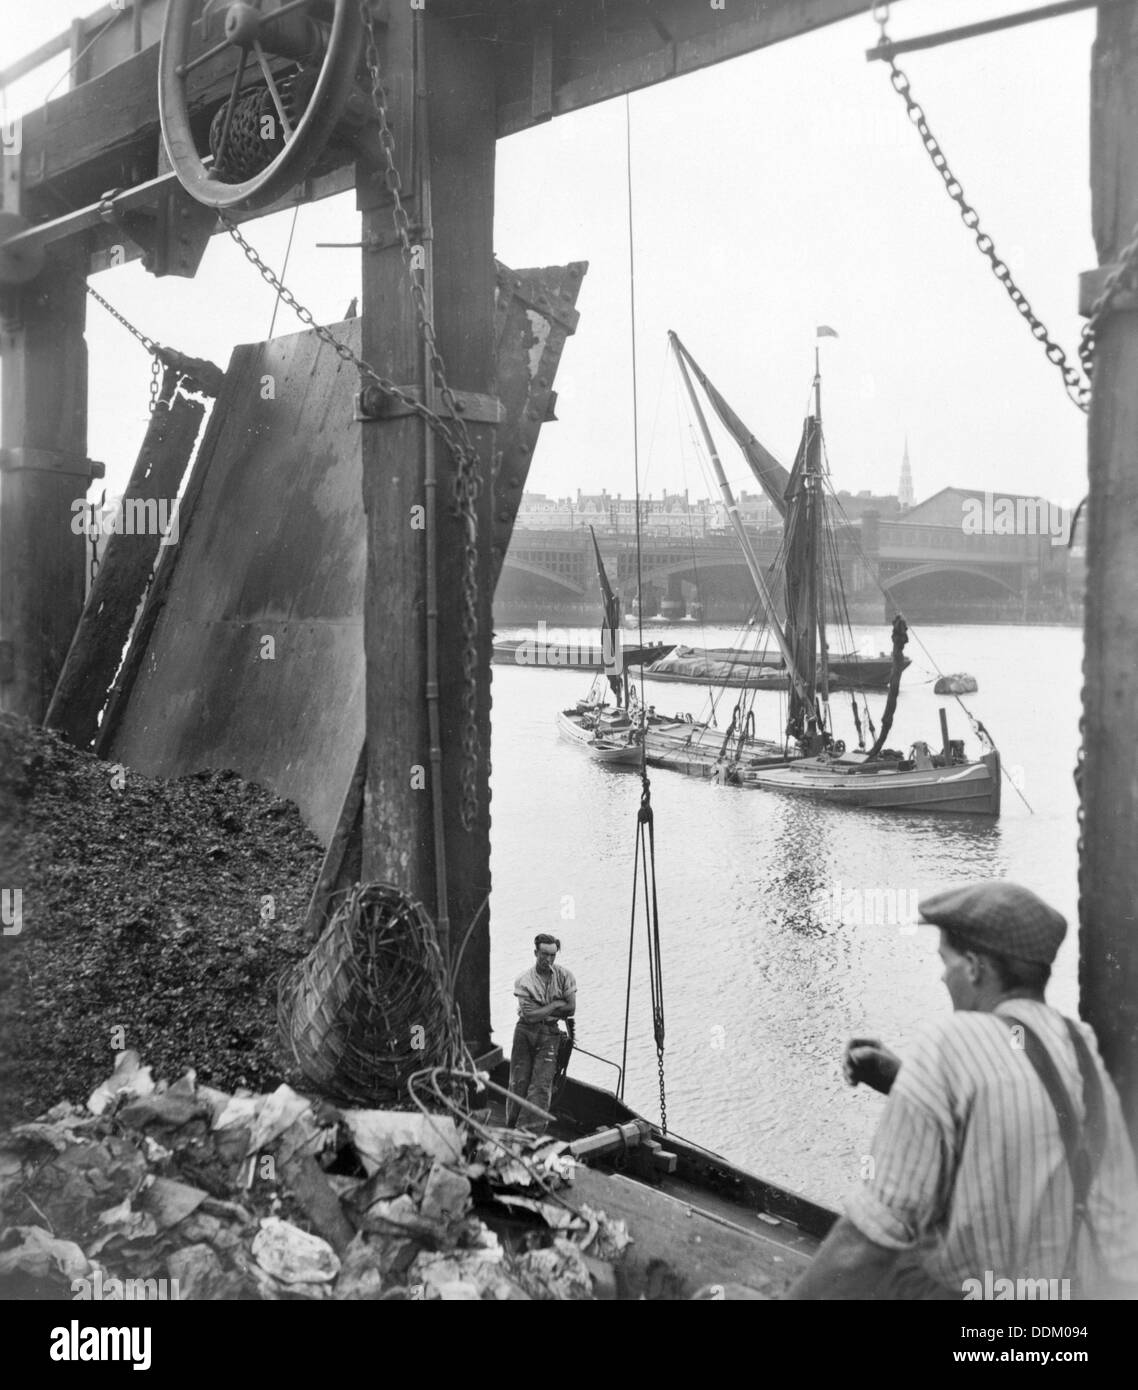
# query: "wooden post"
398,836
1108,940
43,471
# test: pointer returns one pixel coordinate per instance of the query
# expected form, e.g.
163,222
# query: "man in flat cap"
1001,1166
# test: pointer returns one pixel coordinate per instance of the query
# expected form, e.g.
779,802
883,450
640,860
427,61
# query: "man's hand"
870,1062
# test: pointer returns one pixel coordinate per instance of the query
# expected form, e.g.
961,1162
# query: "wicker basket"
370,1004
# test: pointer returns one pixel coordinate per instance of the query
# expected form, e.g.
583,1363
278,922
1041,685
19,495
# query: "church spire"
905,491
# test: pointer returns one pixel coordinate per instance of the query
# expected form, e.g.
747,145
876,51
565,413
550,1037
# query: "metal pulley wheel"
322,37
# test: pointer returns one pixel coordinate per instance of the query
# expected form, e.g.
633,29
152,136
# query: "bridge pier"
672,605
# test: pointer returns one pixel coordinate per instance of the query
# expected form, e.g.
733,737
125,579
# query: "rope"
284,268
977,726
635,412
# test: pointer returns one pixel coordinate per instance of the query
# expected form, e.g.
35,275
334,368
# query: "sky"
771,193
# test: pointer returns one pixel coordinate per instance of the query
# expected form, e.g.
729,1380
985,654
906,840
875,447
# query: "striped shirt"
969,1169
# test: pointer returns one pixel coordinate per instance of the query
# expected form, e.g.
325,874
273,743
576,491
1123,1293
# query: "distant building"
614,514
980,512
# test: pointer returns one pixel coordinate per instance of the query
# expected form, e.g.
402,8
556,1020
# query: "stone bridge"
885,564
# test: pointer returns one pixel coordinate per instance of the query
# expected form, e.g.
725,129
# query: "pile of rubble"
151,915
184,1191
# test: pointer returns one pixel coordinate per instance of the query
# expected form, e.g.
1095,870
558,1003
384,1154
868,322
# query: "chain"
94,509
148,343
1077,388
156,351
467,478
1121,277
456,436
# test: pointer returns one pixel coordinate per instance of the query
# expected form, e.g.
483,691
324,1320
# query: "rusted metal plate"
535,314
255,661
249,651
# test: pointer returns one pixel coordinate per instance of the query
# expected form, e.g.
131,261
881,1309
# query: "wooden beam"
548,59
43,471
604,48
398,818
120,585
1108,880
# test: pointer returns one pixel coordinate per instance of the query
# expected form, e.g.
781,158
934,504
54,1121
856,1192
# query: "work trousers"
533,1067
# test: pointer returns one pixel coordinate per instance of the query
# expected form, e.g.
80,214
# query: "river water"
784,923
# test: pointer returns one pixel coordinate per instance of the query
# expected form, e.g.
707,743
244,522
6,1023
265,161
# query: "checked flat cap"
1000,917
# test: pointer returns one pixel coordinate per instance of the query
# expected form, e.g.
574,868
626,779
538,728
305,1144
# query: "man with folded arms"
545,993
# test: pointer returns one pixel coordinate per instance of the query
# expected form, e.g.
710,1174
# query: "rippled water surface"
763,979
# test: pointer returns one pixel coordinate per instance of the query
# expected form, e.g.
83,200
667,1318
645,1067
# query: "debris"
38,1254
376,1132
199,1272
292,1255
129,1078
265,1196
169,1202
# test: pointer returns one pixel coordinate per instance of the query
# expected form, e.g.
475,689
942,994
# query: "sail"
772,477
610,624
803,559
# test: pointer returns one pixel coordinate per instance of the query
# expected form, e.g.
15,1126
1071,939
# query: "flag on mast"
825,331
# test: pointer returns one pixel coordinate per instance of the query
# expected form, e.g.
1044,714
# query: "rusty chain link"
1077,388
454,434
1123,275
162,360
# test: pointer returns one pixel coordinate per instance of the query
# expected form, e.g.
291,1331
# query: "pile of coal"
185,1191
140,914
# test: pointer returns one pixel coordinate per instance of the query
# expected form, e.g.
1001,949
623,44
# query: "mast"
819,521
744,540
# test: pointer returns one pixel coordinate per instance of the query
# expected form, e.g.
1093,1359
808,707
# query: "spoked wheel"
265,138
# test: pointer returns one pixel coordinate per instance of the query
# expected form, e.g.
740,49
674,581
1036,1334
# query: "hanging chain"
1123,276
467,479
454,433
1077,388
158,362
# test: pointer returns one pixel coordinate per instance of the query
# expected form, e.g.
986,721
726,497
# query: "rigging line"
284,268
83,53
635,414
972,719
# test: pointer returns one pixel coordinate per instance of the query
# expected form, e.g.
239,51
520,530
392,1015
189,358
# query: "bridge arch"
549,576
987,577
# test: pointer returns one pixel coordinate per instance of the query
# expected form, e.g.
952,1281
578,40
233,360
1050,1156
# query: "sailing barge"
809,760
